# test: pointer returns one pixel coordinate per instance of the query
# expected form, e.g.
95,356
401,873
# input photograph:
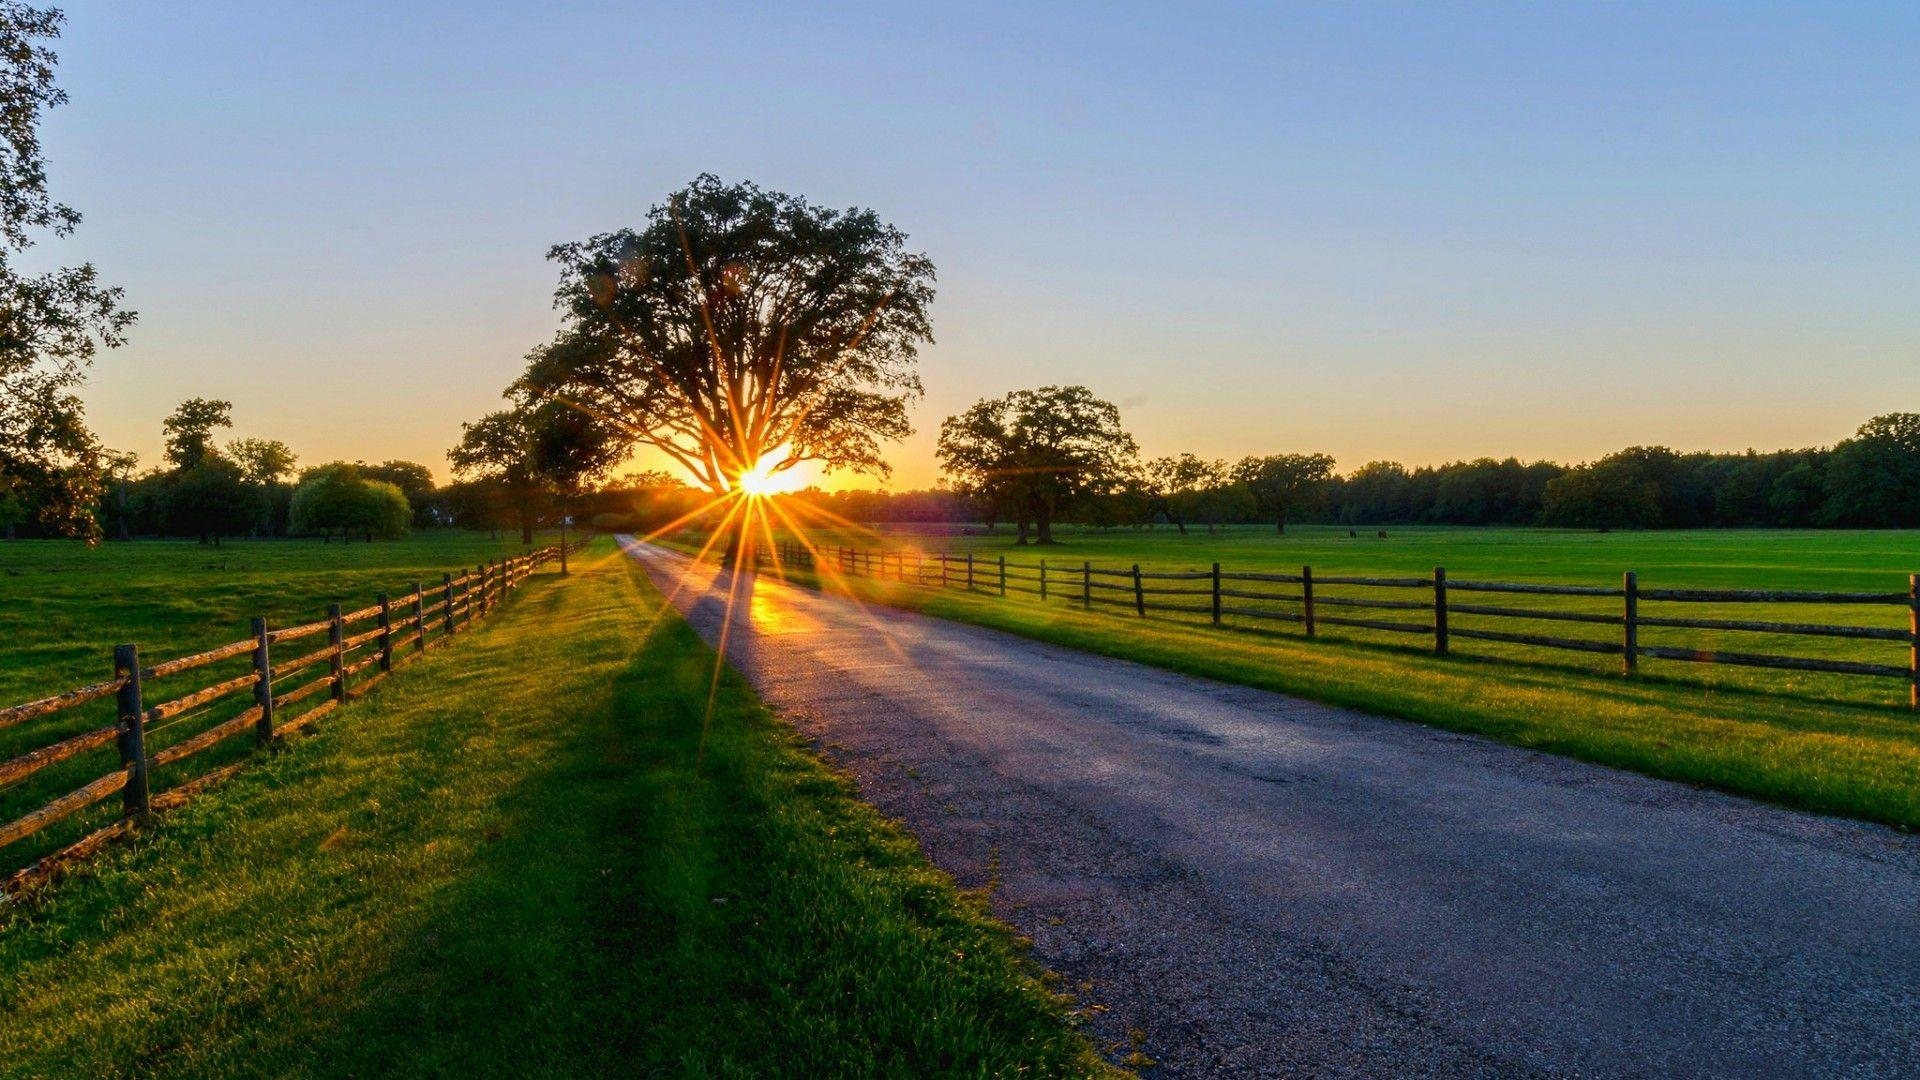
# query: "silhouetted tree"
1283,485
739,327
1037,452
53,322
1174,485
189,430
1873,479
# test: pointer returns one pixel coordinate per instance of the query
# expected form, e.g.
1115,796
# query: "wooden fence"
361,648
1423,607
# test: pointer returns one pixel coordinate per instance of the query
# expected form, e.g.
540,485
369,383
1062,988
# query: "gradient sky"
1416,232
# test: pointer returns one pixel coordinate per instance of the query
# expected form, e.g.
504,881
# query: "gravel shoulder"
1251,884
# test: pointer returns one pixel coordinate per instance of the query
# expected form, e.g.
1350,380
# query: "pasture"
64,606
534,850
1841,744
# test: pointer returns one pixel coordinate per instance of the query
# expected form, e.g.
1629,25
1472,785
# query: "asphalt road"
1251,884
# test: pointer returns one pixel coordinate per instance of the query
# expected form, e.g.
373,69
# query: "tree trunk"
1280,524
526,530
734,545
1022,541
1044,524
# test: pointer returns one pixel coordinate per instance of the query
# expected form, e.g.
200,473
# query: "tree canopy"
1034,453
740,323
189,430
337,498
51,322
1284,485
1176,485
262,461
539,447
1874,477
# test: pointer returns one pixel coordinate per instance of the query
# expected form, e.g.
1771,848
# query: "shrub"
337,498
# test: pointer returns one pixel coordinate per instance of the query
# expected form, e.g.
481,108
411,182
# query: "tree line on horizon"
1058,454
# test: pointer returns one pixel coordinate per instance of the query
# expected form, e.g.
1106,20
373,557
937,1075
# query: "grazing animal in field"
1383,534
1351,534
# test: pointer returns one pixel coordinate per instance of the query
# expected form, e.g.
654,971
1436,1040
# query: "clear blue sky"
1416,232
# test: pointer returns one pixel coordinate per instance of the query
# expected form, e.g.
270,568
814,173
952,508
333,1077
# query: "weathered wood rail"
1226,597
362,647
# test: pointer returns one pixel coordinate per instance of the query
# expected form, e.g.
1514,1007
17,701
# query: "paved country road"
1259,885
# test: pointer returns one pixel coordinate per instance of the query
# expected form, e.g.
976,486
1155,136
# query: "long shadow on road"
1249,883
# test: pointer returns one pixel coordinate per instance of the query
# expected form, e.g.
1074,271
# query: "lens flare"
766,478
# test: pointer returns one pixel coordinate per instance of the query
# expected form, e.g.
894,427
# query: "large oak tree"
739,323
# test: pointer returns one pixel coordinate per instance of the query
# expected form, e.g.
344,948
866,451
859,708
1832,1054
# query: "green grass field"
64,606
1844,745
514,858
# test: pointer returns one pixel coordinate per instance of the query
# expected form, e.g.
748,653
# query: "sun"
761,480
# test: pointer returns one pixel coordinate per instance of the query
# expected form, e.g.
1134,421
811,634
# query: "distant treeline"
1869,481
251,487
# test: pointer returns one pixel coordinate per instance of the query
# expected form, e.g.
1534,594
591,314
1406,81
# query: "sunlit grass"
506,861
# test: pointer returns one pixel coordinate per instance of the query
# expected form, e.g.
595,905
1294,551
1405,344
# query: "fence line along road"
1223,595
361,648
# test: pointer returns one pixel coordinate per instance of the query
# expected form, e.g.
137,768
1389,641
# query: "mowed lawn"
63,606
1845,745
534,852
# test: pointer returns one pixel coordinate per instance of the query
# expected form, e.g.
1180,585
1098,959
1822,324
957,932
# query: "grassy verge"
508,861
1860,760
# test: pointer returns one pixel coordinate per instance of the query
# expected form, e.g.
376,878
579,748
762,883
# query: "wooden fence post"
1043,581
1306,597
419,619
446,599
1913,631
969,571
386,634
1440,610
1216,594
337,637
1139,598
943,570
1086,585
1630,624
262,681
1003,575
133,731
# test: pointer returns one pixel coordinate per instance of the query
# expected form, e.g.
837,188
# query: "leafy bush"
337,498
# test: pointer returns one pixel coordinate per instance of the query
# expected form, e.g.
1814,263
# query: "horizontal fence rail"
1422,606
283,690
